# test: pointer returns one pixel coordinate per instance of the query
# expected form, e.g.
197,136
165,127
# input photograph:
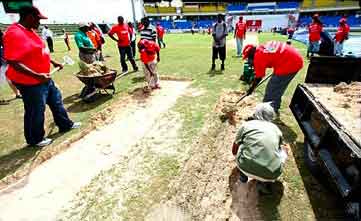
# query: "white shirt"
47,33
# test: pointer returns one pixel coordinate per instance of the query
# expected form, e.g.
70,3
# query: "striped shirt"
148,33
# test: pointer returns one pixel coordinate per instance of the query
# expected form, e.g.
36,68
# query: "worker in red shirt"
240,35
160,35
123,40
285,60
341,35
314,30
149,51
29,66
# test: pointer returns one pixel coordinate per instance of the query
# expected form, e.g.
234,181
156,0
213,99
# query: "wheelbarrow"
97,84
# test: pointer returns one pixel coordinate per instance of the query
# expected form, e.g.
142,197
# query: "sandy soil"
209,187
344,103
52,185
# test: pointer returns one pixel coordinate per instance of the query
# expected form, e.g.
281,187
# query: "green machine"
248,73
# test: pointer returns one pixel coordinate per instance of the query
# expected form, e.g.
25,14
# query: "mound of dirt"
343,101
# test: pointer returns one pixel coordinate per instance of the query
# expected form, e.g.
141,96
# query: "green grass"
185,56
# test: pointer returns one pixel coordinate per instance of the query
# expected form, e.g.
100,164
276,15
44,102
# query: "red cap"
342,20
31,10
246,51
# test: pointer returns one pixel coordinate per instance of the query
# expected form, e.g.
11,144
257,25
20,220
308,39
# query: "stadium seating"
208,8
150,10
236,7
167,10
288,5
307,4
325,3
190,9
347,3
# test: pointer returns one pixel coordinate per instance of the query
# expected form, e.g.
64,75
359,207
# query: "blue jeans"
275,89
35,98
239,42
313,47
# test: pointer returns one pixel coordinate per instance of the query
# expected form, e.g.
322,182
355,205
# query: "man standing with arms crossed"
123,34
240,35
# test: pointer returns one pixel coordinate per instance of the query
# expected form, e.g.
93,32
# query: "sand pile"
93,70
343,101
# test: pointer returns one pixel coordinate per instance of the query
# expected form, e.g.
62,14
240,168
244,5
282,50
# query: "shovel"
66,61
261,82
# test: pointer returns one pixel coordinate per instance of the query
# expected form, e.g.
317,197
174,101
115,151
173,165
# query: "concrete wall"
74,11
268,21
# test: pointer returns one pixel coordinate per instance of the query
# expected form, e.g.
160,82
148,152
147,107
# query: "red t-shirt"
315,30
148,53
283,58
342,33
122,31
160,31
241,29
25,46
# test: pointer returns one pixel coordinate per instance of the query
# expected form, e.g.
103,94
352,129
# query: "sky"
75,11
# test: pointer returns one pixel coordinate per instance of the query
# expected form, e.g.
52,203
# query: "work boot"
242,177
264,188
213,67
222,67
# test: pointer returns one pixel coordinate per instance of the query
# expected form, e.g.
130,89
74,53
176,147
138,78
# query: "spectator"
240,35
148,31
133,38
341,35
314,29
86,48
48,37
100,40
123,40
219,33
285,60
29,67
160,35
258,148
66,39
148,52
290,32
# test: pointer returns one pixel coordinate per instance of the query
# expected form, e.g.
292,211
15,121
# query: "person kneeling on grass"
149,50
258,149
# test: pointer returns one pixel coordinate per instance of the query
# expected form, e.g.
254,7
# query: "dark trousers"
49,40
161,43
126,51
35,99
133,45
275,89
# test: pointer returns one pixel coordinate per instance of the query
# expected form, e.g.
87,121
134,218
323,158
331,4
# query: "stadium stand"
236,7
307,4
208,8
325,4
347,3
151,10
288,5
190,9
167,10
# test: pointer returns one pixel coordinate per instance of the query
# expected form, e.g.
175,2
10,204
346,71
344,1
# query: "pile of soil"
93,70
343,101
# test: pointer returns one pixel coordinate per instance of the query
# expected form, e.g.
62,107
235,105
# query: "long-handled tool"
261,82
66,61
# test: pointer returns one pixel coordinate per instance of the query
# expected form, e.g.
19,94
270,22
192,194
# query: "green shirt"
82,40
259,150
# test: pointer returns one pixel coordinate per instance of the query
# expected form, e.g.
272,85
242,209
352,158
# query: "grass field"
185,56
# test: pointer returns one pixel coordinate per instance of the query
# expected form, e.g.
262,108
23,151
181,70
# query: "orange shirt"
315,30
283,58
122,31
25,46
148,53
94,38
241,29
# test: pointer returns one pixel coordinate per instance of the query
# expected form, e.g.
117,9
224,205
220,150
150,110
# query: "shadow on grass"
71,99
136,80
140,95
81,106
10,163
247,204
213,73
324,203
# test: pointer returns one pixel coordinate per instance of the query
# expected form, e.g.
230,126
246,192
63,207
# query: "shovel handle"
56,69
